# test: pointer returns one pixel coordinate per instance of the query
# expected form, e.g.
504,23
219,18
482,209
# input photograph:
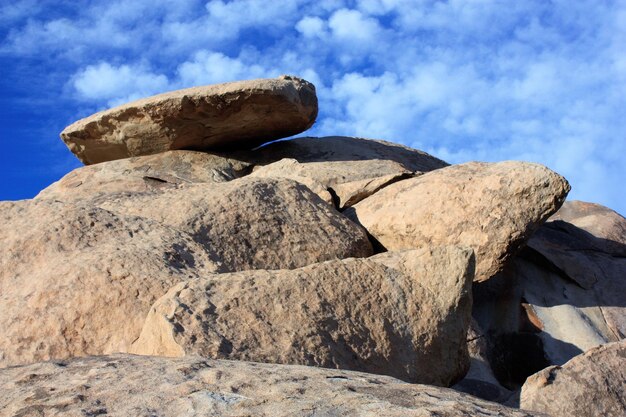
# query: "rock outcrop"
403,314
144,174
590,385
343,169
492,208
240,115
252,223
126,385
80,280
184,237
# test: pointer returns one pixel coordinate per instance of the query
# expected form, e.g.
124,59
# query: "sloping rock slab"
143,174
240,115
590,385
491,207
252,223
126,385
400,314
80,280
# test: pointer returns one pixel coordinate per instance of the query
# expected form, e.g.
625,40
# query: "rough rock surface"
491,207
403,314
241,115
80,280
590,385
126,385
144,174
348,169
252,223
539,311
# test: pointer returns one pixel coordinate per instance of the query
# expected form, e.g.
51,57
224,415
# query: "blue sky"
533,80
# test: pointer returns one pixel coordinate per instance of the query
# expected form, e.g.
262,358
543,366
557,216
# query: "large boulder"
144,174
126,385
252,223
590,385
80,280
240,115
491,207
403,314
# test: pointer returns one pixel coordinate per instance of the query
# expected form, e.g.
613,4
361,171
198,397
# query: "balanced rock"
491,207
252,223
144,174
403,314
240,115
590,385
126,385
80,280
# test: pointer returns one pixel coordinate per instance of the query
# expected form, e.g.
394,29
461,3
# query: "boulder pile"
187,271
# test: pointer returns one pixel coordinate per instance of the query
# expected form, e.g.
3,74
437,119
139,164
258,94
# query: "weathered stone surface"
559,310
252,223
240,115
490,207
403,314
144,174
293,170
590,385
348,169
340,151
126,385
80,280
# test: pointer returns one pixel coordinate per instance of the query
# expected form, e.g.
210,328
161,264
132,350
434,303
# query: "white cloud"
311,26
117,84
353,26
213,67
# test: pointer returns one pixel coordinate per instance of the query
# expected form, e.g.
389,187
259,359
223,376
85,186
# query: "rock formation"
492,208
403,314
181,238
126,385
592,384
237,115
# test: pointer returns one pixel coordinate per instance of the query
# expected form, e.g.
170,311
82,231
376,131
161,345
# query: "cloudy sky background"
533,80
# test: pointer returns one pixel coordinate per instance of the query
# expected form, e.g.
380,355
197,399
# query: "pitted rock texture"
239,115
252,223
80,280
491,207
590,385
144,174
127,385
403,314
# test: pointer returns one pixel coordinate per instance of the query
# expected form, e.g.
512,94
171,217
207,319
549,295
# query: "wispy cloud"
480,79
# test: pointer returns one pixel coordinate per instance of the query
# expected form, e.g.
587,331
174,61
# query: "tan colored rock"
80,280
240,115
338,153
126,385
350,193
491,207
293,170
144,174
590,385
348,169
252,223
400,314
